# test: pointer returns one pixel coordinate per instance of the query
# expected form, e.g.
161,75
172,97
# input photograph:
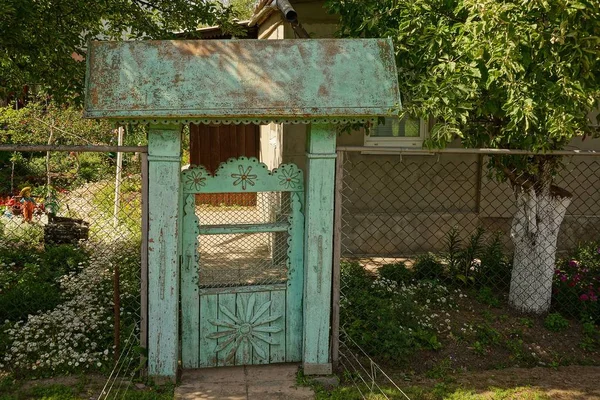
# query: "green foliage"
397,272
487,335
241,9
591,336
576,291
496,74
462,261
16,390
440,370
428,266
38,38
487,297
391,319
494,269
50,123
527,322
556,323
130,209
29,277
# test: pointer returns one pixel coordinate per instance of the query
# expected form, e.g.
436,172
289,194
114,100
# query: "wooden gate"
242,268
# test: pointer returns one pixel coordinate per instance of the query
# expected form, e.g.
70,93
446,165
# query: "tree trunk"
534,233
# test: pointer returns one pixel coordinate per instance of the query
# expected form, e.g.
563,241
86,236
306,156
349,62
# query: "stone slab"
264,382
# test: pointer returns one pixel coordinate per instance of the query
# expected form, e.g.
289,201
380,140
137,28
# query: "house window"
407,132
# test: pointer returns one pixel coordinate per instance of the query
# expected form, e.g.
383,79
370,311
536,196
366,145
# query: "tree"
242,9
509,74
43,42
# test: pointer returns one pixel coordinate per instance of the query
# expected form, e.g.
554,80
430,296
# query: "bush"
29,277
71,337
397,272
392,320
556,323
428,267
577,283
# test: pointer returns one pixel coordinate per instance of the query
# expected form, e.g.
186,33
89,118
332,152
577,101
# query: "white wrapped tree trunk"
534,233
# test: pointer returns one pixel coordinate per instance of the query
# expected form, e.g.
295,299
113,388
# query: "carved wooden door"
242,270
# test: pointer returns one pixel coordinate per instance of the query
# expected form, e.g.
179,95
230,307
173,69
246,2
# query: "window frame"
405,142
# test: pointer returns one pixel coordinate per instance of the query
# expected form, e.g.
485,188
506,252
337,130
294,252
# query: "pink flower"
583,297
573,264
563,277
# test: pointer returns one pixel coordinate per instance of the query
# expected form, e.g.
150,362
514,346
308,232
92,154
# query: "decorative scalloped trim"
245,121
242,174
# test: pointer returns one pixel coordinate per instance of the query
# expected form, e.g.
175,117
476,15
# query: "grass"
83,388
438,392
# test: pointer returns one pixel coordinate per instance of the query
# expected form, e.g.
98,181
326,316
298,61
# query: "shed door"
242,267
211,145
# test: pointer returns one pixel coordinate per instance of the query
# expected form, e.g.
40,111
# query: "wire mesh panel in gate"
244,258
242,272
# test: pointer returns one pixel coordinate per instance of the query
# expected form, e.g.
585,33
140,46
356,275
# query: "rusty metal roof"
241,79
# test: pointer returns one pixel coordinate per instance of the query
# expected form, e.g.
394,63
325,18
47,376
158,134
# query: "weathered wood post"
164,161
318,254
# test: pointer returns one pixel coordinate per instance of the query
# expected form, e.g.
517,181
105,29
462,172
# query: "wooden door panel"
211,145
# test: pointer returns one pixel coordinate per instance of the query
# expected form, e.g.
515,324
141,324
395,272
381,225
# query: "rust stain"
94,95
191,48
323,90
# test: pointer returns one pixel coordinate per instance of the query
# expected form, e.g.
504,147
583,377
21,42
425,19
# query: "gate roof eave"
241,81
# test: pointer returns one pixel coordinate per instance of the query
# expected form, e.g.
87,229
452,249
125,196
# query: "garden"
428,321
69,303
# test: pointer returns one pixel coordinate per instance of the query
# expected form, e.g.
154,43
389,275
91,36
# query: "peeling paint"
328,78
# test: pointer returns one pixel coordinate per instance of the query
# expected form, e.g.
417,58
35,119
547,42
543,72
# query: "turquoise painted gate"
242,267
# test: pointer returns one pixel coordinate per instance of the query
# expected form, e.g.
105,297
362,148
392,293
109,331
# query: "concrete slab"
260,382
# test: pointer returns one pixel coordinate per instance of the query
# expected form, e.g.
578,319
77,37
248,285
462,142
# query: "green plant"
527,322
440,369
479,348
494,269
486,296
576,292
486,334
428,266
391,320
556,323
397,272
591,336
453,244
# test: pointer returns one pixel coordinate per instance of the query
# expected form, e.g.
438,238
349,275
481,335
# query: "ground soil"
514,350
571,382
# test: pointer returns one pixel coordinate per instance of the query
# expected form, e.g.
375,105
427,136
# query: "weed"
526,322
487,335
556,323
479,348
486,296
440,370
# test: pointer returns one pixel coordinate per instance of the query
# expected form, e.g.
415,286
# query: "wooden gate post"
318,254
164,165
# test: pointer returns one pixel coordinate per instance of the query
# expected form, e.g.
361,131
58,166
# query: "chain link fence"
70,260
442,257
